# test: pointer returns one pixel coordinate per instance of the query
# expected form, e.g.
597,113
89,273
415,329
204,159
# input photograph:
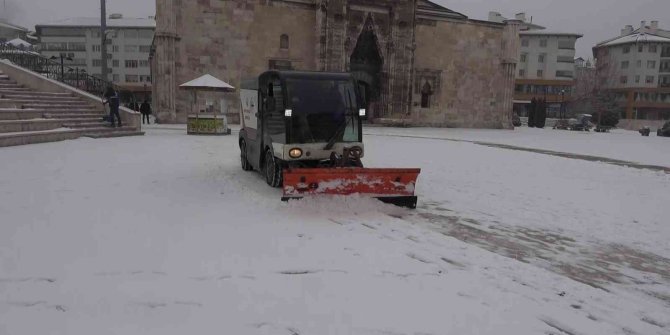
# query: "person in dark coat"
112,98
145,109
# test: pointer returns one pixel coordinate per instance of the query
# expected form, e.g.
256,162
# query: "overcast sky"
597,20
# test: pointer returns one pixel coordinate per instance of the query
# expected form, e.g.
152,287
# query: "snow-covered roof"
12,26
17,42
635,38
95,22
207,82
548,33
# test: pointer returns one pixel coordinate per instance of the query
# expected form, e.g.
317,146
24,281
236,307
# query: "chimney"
496,17
627,30
654,27
520,16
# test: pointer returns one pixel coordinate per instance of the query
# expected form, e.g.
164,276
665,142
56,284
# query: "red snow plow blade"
394,186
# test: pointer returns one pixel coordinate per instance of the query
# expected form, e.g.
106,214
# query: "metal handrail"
51,69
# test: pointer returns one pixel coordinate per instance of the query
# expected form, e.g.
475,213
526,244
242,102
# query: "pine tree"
531,113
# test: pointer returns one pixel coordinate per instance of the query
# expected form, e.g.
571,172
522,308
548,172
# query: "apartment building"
546,67
10,31
78,42
636,65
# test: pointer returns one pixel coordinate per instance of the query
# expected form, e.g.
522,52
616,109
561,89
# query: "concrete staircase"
28,116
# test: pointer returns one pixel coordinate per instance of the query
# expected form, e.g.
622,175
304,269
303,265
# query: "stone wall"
231,40
388,44
460,65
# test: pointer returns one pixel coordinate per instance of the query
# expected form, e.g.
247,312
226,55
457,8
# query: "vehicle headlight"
288,113
361,112
295,153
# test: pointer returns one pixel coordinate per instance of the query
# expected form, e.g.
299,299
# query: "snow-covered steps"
41,124
7,114
62,134
28,116
27,91
118,133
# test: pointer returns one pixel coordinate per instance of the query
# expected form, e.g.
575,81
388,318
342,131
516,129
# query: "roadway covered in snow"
165,234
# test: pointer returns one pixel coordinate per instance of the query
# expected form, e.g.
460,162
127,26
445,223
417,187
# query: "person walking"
145,109
112,98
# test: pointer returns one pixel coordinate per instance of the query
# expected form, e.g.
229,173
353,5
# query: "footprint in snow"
418,258
27,279
188,303
298,272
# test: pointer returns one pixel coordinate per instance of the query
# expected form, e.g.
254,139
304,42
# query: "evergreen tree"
531,113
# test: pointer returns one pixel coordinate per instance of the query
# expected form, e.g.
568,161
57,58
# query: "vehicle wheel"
246,166
273,172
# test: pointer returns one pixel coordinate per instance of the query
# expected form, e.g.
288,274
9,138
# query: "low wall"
631,124
40,83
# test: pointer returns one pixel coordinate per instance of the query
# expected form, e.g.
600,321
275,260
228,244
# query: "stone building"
424,64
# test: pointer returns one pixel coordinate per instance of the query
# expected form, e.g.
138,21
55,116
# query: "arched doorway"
366,63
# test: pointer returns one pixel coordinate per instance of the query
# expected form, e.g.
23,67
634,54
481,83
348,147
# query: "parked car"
583,123
645,131
665,130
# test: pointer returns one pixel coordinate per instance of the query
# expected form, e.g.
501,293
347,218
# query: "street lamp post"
560,111
62,65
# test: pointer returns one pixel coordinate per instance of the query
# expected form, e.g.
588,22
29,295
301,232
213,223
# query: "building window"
145,48
524,58
640,48
626,49
115,63
543,43
623,79
564,74
566,44
97,63
637,79
651,64
283,41
145,79
115,78
146,33
144,63
524,42
130,33
132,78
652,48
115,48
522,73
540,73
624,65
639,64
426,92
130,48
540,58
96,48
131,64
649,80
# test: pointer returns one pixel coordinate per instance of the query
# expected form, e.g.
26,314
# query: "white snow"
618,144
165,234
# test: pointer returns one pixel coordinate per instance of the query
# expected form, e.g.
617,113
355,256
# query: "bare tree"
594,92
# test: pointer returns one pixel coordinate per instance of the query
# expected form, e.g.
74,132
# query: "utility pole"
103,38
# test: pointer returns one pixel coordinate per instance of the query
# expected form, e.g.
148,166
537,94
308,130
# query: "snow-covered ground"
165,234
618,144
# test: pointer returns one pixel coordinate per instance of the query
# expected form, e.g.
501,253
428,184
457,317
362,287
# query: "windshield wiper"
342,127
337,134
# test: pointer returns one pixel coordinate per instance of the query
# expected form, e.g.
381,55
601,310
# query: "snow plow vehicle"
303,131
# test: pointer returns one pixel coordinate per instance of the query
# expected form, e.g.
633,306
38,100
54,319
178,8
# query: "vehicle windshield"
321,108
